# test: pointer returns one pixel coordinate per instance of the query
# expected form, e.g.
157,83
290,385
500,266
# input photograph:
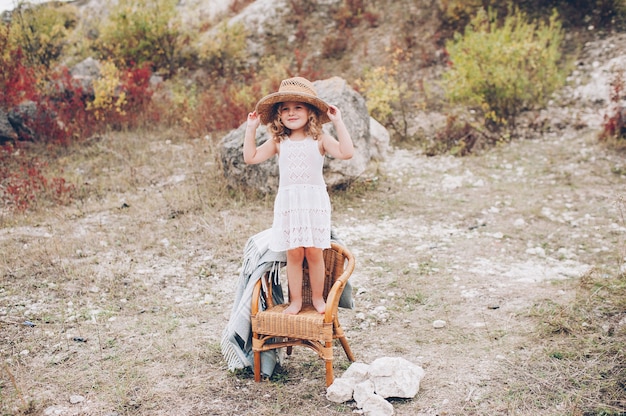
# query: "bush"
120,96
18,81
225,54
605,14
387,94
24,182
41,32
144,31
460,138
501,70
382,92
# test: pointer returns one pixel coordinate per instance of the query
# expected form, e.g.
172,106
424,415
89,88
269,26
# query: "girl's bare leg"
315,259
295,258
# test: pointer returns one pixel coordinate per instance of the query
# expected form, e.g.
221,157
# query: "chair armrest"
256,297
257,292
332,300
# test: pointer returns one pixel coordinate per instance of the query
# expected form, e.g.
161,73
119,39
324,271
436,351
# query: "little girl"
294,116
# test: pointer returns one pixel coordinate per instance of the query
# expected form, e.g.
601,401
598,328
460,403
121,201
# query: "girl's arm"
251,153
342,147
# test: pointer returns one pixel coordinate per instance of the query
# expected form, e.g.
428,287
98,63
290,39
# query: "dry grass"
129,287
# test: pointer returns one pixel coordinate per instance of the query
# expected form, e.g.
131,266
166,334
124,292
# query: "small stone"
76,398
439,324
55,411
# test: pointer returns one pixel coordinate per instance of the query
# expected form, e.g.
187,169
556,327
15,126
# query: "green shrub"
501,70
387,94
225,54
605,14
41,32
145,31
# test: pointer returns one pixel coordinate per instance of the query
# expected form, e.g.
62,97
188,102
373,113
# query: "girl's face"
294,115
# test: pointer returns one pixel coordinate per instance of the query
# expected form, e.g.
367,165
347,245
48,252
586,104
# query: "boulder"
371,384
85,72
21,118
264,176
7,132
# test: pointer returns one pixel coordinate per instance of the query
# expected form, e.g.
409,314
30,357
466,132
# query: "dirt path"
478,242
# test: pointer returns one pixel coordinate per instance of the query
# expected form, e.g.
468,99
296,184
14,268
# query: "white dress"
302,206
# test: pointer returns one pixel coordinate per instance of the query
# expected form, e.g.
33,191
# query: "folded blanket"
258,259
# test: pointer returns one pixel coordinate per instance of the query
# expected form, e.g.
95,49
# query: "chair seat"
307,324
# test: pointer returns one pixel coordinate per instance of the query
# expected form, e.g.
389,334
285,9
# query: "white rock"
55,411
76,398
357,372
377,406
519,223
362,392
439,324
340,391
396,377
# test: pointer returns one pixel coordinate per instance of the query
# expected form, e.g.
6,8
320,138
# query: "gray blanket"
258,259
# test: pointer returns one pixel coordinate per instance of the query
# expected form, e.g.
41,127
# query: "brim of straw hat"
265,106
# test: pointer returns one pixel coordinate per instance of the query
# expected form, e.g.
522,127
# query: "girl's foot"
319,305
293,308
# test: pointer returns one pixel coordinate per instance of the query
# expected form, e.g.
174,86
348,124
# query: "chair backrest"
336,260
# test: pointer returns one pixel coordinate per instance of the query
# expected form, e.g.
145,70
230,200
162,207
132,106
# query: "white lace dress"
302,206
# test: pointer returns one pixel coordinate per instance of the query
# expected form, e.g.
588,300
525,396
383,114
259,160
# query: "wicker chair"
271,328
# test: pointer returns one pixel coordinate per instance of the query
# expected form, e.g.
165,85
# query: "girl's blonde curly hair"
279,132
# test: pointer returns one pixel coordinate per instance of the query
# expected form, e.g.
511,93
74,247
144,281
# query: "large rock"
395,377
340,391
7,132
264,176
371,384
85,72
22,118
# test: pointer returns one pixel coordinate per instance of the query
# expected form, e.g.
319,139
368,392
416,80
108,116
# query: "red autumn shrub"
23,183
18,82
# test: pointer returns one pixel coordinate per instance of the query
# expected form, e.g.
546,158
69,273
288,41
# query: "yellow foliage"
382,89
107,94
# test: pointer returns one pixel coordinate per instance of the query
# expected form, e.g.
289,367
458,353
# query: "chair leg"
257,366
341,336
330,376
346,348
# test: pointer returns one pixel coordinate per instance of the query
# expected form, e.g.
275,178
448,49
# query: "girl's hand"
254,120
333,113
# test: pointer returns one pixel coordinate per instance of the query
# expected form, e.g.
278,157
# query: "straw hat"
292,89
